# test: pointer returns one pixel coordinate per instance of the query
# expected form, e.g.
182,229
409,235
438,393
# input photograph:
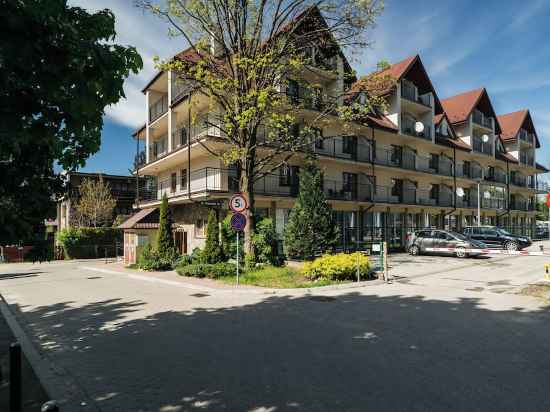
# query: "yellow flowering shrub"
340,266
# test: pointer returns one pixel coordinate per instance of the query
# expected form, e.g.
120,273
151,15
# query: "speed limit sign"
238,203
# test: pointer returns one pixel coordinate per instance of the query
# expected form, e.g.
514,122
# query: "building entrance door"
181,242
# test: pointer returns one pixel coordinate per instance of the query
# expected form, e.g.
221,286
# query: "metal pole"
15,377
237,258
386,275
478,205
358,271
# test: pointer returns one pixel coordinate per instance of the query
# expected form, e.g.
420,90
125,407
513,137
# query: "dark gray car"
422,240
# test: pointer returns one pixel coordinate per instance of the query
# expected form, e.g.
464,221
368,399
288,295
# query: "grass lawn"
276,277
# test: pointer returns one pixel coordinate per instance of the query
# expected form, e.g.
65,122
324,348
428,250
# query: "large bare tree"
95,204
242,53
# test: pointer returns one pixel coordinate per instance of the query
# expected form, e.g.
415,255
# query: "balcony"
402,158
319,60
526,159
311,99
520,204
518,180
481,147
410,92
345,147
482,120
526,137
408,128
181,88
496,175
158,108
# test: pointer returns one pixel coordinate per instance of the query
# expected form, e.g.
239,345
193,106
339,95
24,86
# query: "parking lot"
446,334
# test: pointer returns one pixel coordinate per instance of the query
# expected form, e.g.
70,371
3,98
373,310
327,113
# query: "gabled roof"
542,168
510,124
398,71
461,106
138,220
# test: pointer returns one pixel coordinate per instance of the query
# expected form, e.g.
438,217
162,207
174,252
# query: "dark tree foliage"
310,229
165,241
213,252
59,69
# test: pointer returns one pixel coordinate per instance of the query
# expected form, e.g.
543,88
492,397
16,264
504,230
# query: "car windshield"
504,232
459,236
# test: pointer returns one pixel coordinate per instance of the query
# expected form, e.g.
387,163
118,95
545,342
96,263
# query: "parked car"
420,241
542,232
496,237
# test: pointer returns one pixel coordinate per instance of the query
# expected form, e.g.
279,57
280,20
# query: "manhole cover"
322,298
199,295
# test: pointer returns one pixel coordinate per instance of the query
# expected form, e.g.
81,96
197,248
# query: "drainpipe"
189,149
137,171
454,186
507,212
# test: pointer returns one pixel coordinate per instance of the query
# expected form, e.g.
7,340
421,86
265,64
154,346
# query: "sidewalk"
33,393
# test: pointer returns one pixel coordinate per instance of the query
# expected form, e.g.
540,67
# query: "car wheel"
460,252
511,246
414,250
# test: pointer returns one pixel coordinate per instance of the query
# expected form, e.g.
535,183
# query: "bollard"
15,377
541,247
50,406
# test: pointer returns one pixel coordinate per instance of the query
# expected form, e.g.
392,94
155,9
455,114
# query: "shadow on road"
353,353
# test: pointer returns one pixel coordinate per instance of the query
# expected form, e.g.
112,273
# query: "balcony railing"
526,136
408,128
497,176
518,180
312,100
158,108
482,120
181,88
344,147
410,92
526,159
410,161
481,147
520,204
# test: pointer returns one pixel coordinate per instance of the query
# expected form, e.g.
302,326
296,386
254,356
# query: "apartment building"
123,190
426,162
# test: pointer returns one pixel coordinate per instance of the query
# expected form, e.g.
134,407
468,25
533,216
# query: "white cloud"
150,37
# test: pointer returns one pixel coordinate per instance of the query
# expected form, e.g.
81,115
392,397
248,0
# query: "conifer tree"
165,241
310,228
212,252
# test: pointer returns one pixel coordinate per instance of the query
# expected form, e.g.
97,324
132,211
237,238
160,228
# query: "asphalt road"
443,336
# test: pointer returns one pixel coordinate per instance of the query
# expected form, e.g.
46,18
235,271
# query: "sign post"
238,221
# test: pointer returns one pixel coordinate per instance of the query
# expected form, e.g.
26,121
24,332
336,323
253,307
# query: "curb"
255,290
58,384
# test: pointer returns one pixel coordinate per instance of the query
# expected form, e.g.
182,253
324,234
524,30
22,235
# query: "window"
397,187
285,175
293,91
200,226
349,145
183,179
466,168
434,161
434,192
488,231
424,233
173,182
318,136
396,154
183,136
350,181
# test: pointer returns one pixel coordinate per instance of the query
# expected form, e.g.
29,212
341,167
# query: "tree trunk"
247,188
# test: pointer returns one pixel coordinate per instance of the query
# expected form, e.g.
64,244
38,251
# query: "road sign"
548,199
237,203
238,222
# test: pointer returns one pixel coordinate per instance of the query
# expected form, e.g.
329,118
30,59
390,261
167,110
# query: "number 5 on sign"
238,203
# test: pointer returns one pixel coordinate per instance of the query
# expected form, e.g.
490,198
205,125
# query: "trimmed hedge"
339,266
89,242
212,271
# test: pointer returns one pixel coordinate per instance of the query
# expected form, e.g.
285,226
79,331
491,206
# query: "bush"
151,259
340,266
212,271
264,241
89,242
197,256
229,240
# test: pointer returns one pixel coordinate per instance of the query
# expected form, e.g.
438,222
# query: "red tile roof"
459,107
510,123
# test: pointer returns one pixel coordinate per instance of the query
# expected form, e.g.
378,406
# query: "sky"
501,45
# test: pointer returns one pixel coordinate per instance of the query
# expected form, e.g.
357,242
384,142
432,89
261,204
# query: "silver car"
418,243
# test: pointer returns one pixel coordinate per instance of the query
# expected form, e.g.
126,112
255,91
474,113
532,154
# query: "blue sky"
501,45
